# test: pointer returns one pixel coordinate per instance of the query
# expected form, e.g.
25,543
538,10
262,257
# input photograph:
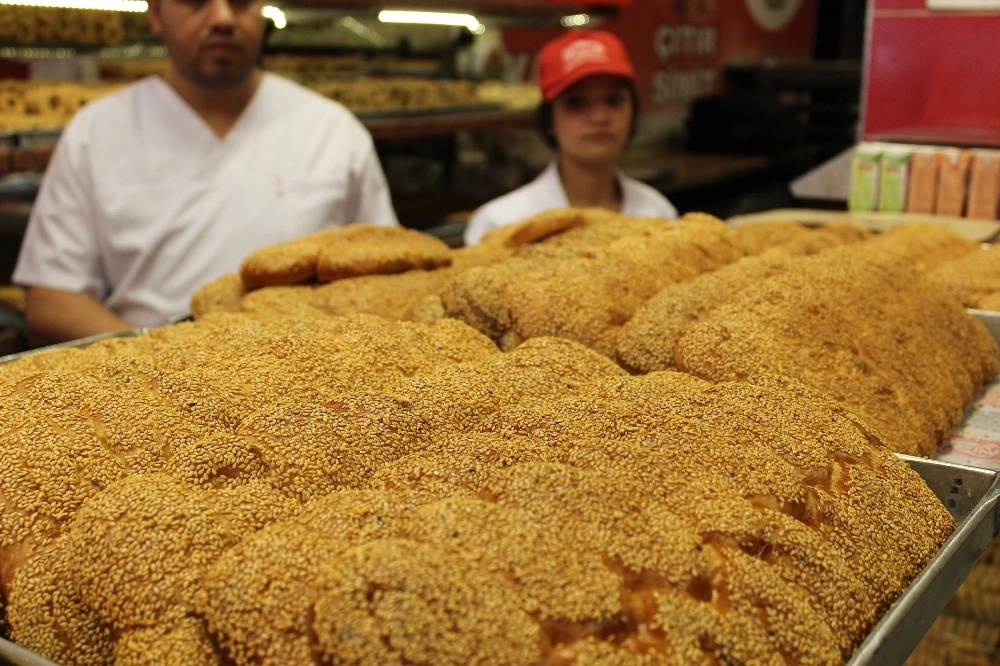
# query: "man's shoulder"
110,107
301,96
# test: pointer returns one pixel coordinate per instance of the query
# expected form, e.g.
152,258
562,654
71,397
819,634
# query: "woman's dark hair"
543,118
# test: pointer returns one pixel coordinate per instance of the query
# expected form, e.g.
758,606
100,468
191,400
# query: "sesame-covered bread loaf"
251,489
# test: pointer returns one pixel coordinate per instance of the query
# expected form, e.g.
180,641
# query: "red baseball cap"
578,54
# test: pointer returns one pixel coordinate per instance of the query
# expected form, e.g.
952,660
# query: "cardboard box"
953,180
922,192
984,185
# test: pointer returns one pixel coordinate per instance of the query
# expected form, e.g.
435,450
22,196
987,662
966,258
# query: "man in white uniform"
588,115
170,183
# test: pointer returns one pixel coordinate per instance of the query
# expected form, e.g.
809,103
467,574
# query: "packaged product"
984,185
865,177
894,177
952,182
923,186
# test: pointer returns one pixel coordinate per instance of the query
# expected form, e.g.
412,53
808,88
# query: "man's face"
212,43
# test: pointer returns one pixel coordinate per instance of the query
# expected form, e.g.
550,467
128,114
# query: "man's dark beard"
223,78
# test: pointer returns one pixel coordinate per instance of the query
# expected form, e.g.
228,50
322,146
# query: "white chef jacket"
546,192
143,203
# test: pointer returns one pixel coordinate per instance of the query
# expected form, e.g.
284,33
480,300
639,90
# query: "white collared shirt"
546,192
143,203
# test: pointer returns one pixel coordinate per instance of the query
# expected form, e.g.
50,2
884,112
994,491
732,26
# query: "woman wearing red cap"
588,114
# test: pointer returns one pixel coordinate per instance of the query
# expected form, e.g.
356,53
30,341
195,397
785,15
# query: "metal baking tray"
12,654
990,319
971,494
83,342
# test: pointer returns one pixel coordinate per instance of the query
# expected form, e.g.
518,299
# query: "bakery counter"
677,171
707,182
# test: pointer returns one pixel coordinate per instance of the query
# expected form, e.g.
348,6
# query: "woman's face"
592,120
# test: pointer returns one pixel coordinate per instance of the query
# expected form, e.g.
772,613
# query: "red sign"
681,47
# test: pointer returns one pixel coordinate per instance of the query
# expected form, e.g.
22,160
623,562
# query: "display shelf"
384,125
29,136
131,47
968,137
412,126
23,52
500,7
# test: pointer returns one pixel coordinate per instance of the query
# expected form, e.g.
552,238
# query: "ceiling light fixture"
110,5
267,11
575,20
275,14
432,18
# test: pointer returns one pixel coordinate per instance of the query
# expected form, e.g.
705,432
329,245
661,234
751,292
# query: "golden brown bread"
432,608
183,641
989,302
766,234
541,226
349,251
661,510
894,349
973,278
377,250
922,244
588,298
222,294
646,342
786,237
285,263
303,474
535,228
48,613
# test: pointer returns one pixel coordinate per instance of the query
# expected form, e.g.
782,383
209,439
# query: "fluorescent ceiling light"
575,20
267,11
112,5
275,14
361,30
432,18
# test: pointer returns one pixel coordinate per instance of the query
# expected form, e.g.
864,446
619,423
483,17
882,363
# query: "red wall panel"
932,75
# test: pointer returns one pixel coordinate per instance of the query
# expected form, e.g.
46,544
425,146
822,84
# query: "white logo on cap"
583,51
